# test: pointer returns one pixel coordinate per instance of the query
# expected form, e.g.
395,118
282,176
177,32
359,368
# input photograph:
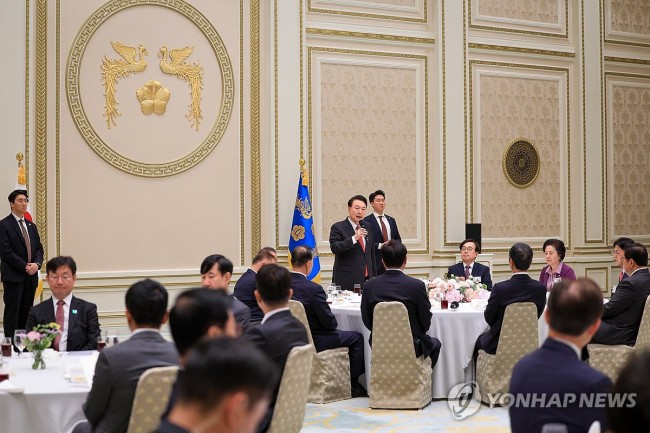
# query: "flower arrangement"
39,339
458,289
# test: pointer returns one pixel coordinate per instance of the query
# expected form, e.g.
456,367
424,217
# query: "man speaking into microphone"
354,261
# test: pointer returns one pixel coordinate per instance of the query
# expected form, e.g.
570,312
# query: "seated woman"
554,251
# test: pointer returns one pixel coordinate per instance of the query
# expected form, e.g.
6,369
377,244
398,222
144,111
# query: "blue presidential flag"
302,226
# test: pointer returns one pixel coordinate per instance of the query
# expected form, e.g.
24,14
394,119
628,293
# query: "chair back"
151,398
289,411
398,380
643,339
298,311
519,334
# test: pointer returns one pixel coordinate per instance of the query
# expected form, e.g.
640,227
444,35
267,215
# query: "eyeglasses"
64,277
467,249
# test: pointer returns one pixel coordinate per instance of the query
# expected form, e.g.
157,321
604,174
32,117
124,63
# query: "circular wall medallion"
521,163
88,128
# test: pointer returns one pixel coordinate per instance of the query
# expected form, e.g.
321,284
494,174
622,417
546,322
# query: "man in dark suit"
573,315
394,285
384,227
350,241
469,251
19,264
322,322
519,288
118,368
622,314
226,387
279,331
245,286
77,318
216,271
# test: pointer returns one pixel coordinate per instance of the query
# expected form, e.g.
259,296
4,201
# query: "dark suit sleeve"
100,393
339,241
7,254
93,327
256,337
366,309
323,312
37,257
424,308
31,320
620,300
492,309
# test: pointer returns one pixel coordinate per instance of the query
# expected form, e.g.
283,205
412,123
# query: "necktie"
363,247
60,320
620,276
467,271
27,242
384,232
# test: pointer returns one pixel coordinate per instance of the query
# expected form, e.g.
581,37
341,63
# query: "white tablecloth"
456,330
49,403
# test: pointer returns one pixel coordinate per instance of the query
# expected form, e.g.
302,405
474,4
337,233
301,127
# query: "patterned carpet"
354,416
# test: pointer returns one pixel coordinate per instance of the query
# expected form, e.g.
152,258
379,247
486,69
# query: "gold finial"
303,173
22,180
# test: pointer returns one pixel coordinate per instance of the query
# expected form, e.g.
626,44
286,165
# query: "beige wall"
419,98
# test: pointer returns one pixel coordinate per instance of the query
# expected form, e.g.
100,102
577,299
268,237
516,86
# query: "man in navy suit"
78,318
622,314
519,288
573,315
384,227
19,264
394,285
245,286
351,243
216,271
619,255
469,250
322,322
279,331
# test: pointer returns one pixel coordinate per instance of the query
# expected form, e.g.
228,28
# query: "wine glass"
20,339
437,299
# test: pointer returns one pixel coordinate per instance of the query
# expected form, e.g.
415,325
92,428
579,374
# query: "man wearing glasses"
76,317
469,250
21,253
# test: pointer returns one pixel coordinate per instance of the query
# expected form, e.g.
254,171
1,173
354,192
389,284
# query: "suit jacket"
394,285
478,270
322,321
244,291
118,369
13,250
622,314
378,237
280,333
350,260
241,312
519,288
538,373
83,326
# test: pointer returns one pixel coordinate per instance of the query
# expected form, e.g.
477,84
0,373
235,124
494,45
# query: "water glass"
357,289
6,346
20,339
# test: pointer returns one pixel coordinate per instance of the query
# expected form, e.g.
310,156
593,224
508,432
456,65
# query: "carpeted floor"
354,416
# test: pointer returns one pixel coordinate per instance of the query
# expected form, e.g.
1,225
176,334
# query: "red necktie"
384,232
363,247
620,276
467,271
60,320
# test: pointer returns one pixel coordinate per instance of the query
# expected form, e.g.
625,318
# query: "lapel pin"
74,311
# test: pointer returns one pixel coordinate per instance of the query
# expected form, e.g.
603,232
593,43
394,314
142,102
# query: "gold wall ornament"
192,73
521,163
114,69
153,97
87,130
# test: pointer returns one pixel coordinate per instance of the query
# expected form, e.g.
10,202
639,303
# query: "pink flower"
454,295
432,292
470,294
484,294
449,285
33,336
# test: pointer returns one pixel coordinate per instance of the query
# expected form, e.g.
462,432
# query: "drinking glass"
357,289
6,346
20,339
112,338
101,343
437,299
